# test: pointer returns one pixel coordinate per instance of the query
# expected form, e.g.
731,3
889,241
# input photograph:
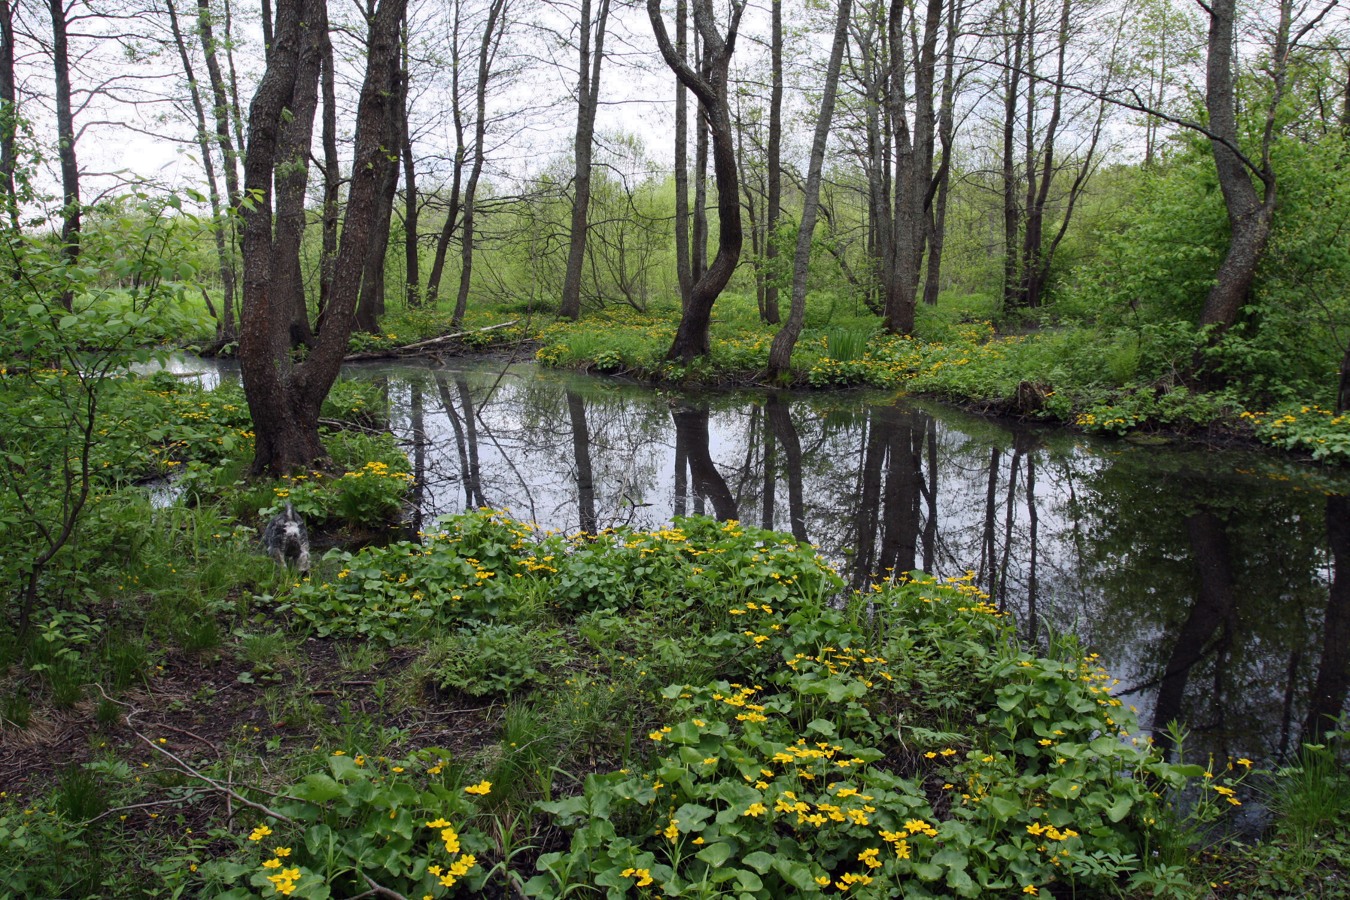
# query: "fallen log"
423,346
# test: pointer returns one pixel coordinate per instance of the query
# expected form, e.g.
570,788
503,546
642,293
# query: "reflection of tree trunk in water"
581,449
1291,683
1013,466
768,498
461,445
1031,562
471,436
681,475
1213,612
900,501
691,427
1333,672
419,436
785,434
930,496
747,471
988,553
869,501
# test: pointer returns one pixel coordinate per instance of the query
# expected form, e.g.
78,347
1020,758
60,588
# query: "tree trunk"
1249,215
412,291
224,330
492,35
229,164
588,102
937,217
774,162
691,429
691,338
332,183
65,141
913,164
461,153
284,397
1011,218
9,114
683,269
780,351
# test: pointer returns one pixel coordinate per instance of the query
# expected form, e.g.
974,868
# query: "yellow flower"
282,851
259,833
482,788
272,864
1030,889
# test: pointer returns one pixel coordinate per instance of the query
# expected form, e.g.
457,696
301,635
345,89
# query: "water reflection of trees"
1204,589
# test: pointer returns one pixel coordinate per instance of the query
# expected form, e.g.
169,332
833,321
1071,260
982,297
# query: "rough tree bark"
1249,214
913,164
284,397
710,87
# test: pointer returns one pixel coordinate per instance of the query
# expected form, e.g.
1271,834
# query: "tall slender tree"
588,102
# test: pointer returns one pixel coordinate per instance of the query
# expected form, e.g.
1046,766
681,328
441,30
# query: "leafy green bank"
700,710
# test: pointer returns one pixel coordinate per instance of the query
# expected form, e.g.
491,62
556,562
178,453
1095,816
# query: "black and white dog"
287,538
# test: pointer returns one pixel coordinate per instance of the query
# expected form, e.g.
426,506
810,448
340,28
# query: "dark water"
1202,578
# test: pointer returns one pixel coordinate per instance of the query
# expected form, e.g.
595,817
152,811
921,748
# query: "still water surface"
1200,577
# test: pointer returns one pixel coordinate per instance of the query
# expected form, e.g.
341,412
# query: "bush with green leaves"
364,826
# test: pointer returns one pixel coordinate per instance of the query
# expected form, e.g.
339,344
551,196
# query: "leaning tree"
285,395
709,85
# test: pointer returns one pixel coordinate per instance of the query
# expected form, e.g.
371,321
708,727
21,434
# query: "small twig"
191,734
379,890
187,768
152,803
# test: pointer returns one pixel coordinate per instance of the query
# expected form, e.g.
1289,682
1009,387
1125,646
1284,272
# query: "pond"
1201,577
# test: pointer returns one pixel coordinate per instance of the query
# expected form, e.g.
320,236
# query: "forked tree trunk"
284,397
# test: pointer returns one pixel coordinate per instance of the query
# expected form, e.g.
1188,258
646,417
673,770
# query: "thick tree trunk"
691,338
284,397
588,102
913,164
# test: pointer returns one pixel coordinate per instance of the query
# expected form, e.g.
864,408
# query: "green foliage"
494,659
400,824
